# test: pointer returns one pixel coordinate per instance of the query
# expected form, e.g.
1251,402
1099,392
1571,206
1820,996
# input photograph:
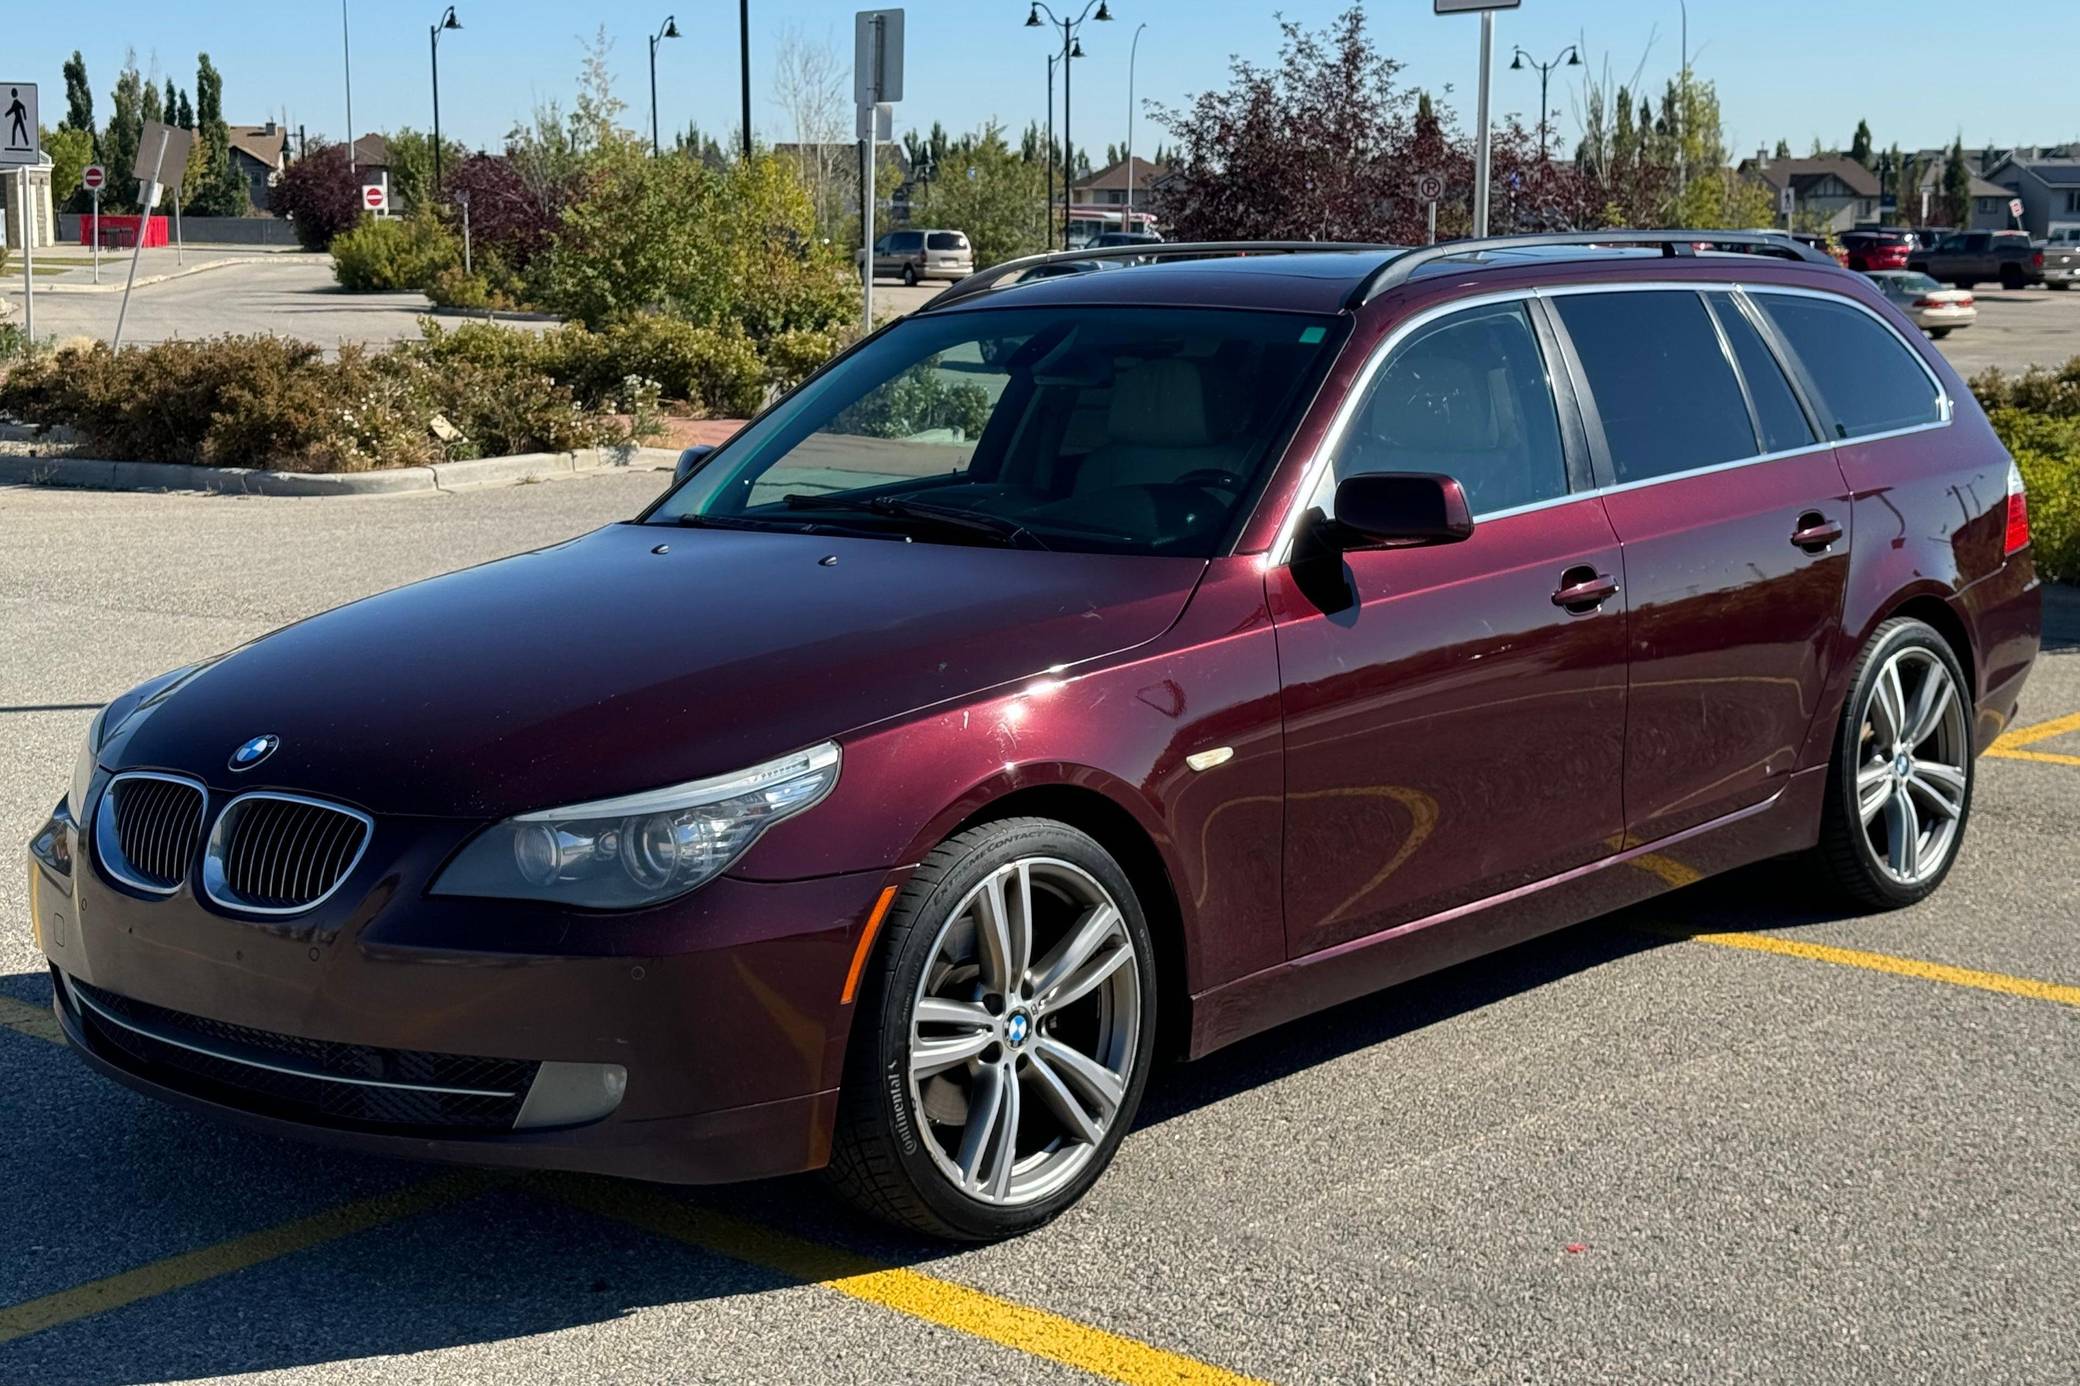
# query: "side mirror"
688,460
1401,510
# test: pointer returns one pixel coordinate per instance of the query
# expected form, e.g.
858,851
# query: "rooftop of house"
267,144
1802,174
1114,175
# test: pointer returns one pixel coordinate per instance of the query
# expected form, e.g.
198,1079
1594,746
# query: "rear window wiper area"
942,517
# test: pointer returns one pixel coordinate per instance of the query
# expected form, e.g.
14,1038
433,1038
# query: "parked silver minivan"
911,255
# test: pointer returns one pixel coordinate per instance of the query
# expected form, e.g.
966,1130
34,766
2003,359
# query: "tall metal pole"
151,199
1543,73
654,150
1682,102
1068,141
1481,140
1048,219
28,221
346,50
1133,51
744,66
433,42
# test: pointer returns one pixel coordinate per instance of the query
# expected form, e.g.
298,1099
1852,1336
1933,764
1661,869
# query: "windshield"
1118,430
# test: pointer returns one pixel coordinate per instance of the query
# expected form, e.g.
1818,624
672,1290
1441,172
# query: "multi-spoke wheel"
998,1059
1902,782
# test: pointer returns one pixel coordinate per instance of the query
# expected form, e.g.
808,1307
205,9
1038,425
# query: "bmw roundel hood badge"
254,751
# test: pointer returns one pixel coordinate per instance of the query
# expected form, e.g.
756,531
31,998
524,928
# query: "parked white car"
1935,308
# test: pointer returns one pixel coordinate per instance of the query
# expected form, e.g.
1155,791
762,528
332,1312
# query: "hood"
604,666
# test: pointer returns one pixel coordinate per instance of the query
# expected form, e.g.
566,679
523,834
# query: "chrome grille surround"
276,854
146,827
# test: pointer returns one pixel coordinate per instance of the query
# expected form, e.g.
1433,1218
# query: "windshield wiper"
903,508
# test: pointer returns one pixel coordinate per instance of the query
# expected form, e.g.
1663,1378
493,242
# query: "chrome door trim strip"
81,1000
1281,550
217,889
105,830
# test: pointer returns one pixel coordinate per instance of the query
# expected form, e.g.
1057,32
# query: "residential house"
1989,205
259,153
1835,191
372,158
1108,186
2049,189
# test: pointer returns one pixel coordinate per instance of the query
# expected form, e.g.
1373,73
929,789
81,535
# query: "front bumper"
722,1009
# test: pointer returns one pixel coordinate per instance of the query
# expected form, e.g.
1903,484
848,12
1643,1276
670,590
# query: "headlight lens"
619,854
83,770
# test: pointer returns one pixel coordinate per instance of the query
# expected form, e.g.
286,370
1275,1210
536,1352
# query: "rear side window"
1468,396
946,240
1868,379
1666,393
907,240
1782,423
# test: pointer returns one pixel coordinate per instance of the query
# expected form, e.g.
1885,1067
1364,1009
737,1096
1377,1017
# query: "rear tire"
1899,785
1939,332
2011,277
910,276
1003,1036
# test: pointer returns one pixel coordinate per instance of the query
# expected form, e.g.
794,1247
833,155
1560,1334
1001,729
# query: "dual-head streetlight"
1072,48
1569,57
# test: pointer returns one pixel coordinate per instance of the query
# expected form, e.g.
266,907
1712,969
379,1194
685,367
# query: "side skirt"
1787,822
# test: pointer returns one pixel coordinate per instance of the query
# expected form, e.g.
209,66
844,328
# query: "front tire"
1899,788
1003,1037
1939,332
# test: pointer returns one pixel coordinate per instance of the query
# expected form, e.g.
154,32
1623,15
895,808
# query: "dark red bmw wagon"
1078,670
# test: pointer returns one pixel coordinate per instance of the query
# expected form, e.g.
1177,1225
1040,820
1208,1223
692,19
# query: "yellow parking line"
2000,982
2043,757
25,1019
2015,738
240,1253
940,1302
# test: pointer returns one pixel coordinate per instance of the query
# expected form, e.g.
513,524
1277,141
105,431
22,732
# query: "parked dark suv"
1075,670
1967,258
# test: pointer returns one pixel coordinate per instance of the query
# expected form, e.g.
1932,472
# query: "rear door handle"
1815,532
1584,589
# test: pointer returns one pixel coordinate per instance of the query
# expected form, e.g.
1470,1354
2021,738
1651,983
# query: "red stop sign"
372,197
92,177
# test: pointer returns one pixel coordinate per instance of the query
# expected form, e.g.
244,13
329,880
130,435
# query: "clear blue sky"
1789,68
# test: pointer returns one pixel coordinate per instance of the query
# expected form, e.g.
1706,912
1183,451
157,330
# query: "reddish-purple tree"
320,194
1327,145
508,213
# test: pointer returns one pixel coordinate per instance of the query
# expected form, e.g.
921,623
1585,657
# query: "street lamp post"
1068,28
433,41
1682,104
1571,57
346,52
1133,52
669,31
1048,218
744,67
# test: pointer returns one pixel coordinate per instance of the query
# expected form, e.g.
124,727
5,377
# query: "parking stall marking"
187,1268
2026,987
944,1303
2010,744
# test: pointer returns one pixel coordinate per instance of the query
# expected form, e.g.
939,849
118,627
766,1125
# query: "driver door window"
1467,396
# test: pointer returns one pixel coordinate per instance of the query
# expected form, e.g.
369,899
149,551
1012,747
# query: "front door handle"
1815,532
1582,590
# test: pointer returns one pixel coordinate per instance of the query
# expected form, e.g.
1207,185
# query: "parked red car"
1877,250
1075,670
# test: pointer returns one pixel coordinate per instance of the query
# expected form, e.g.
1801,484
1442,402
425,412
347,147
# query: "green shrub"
794,355
920,400
2046,448
718,371
382,255
452,288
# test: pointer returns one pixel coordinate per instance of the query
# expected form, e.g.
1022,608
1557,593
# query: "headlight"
619,854
83,770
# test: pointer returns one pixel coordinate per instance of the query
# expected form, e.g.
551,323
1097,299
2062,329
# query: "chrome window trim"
81,1001
217,890
1318,466
105,830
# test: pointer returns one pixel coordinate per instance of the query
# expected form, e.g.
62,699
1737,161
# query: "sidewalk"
69,269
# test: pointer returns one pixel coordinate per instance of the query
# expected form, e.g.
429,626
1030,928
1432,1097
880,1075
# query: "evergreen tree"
1957,186
154,107
219,189
170,105
1624,136
1783,149
186,118
1860,145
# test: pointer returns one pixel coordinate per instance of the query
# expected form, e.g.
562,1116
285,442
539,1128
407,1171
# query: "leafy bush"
394,255
920,400
794,355
2037,415
320,194
265,402
452,288
717,370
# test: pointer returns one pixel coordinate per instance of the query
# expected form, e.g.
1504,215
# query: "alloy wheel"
1912,766
1023,1031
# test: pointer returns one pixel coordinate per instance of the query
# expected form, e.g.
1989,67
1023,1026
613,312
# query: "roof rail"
1162,250
1672,243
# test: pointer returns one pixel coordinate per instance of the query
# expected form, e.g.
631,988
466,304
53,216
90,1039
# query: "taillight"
2018,512
2038,260
1925,302
1965,302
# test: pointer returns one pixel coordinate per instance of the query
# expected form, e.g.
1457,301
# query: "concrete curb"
113,284
94,474
491,314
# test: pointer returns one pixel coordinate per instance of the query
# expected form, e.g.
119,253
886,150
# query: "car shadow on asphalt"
127,1182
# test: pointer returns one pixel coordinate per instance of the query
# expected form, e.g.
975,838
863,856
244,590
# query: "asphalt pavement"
1727,1136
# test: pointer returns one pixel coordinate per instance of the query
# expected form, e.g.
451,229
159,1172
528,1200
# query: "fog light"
572,1094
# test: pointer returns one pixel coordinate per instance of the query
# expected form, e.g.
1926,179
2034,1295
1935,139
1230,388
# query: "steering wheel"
1211,476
